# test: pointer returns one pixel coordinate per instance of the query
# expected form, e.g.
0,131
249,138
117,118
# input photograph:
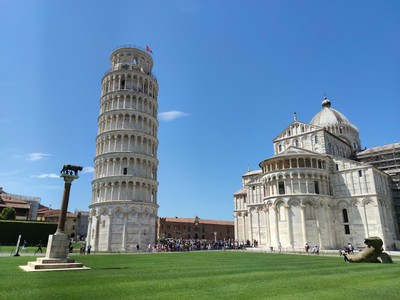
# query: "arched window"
280,148
346,221
316,139
345,216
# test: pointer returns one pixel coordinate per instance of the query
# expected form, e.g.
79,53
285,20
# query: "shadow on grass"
115,268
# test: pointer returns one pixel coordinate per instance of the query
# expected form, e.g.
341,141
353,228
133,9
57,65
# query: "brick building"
25,206
194,228
46,214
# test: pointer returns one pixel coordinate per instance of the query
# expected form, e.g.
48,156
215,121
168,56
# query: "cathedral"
314,190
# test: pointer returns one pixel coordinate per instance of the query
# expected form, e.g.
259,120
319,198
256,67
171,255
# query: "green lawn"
203,275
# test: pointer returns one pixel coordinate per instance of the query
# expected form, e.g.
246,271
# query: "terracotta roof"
201,221
48,213
7,201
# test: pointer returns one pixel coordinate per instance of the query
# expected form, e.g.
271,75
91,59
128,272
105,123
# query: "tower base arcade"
121,226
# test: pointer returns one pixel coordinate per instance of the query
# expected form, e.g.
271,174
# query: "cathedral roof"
249,173
292,150
389,148
241,192
329,116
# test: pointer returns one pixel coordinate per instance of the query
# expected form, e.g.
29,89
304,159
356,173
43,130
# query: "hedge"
32,232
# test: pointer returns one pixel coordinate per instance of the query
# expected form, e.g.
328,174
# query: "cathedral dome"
336,123
329,116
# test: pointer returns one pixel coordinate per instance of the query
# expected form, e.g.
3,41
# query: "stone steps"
53,264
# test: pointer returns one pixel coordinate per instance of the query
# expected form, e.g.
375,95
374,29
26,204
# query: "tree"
8,213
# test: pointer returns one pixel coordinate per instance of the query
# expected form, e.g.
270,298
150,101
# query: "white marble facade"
312,191
124,205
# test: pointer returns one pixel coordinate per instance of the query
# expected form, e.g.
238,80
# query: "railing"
132,67
132,46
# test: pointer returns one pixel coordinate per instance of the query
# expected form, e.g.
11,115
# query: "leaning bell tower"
124,189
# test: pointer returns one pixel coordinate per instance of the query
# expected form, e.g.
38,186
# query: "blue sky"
230,74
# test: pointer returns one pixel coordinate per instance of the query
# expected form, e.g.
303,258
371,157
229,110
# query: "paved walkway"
3,254
394,254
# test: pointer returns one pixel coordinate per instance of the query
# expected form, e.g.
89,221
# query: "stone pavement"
4,254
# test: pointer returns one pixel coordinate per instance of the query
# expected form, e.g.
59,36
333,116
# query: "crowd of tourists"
181,245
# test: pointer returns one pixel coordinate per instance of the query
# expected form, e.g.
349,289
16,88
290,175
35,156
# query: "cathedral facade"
124,205
313,190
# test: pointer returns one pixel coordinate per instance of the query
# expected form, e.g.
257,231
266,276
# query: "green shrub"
32,232
8,213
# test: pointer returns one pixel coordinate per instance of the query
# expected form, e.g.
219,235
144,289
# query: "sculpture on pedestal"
58,244
373,253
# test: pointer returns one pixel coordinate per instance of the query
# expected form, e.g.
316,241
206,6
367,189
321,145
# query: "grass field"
203,275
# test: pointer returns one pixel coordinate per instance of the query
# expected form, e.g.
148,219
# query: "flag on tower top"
148,49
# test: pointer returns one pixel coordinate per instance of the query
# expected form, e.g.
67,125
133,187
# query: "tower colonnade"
121,141
137,166
128,100
123,80
120,121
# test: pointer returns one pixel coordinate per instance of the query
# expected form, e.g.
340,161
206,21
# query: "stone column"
251,226
274,220
236,227
303,224
124,229
57,246
110,215
287,207
64,205
244,227
317,217
258,226
89,232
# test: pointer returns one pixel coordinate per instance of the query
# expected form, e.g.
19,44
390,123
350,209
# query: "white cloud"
37,156
50,175
87,170
172,115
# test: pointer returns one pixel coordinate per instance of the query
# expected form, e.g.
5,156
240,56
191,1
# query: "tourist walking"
39,247
349,248
316,250
307,248
24,245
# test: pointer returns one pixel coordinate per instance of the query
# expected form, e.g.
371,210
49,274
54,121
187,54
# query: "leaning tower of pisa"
124,189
